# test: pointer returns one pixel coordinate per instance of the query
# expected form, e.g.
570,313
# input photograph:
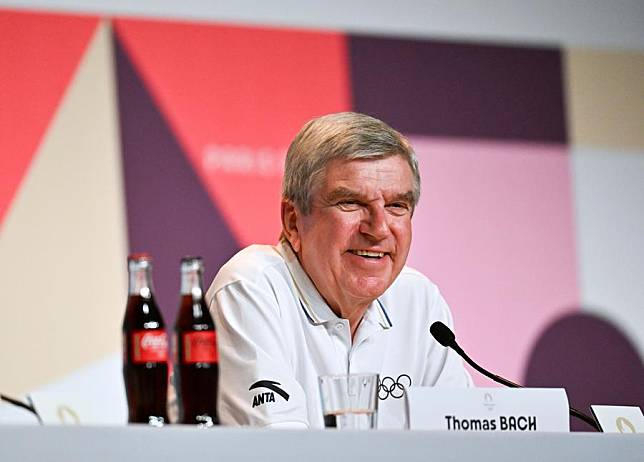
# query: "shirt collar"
312,303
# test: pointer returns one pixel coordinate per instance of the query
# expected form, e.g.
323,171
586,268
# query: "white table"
138,443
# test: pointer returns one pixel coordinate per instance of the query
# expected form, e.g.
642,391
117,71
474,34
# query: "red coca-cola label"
199,347
149,346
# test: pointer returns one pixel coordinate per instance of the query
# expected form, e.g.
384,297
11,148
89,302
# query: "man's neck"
354,315
355,319
352,312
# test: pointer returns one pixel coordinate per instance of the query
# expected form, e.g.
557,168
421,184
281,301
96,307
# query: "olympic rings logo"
394,388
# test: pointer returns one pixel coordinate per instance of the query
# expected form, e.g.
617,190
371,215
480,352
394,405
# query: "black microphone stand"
574,412
445,337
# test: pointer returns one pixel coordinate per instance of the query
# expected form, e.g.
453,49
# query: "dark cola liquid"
146,382
146,395
196,366
330,421
351,419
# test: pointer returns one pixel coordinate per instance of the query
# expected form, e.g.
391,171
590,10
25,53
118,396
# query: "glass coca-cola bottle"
145,347
196,369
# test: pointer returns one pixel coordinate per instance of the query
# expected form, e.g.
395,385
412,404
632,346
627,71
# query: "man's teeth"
368,253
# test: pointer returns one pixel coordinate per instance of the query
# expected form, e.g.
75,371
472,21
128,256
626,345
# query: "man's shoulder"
251,264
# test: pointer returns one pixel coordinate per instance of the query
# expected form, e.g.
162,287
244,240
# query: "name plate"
619,419
488,409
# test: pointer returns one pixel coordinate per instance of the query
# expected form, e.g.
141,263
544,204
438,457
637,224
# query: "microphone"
446,337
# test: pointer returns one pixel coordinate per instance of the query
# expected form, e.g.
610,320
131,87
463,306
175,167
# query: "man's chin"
369,289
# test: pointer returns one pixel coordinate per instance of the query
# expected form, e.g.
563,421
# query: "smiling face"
355,240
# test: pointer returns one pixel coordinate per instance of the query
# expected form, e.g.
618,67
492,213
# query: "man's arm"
257,384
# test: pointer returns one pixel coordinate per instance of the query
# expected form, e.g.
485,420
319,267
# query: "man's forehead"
349,169
391,176
358,165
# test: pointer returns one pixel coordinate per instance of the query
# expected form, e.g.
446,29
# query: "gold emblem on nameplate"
624,425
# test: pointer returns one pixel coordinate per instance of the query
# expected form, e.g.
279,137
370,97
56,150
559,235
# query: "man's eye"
398,207
348,205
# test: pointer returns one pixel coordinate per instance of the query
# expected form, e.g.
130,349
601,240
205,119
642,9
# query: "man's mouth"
367,253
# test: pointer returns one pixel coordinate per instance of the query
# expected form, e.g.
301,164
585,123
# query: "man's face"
355,240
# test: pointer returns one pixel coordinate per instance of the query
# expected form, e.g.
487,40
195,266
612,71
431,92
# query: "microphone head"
443,334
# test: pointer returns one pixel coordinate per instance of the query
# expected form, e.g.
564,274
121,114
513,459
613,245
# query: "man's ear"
289,224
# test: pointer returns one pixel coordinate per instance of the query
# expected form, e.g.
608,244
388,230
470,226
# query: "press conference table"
137,443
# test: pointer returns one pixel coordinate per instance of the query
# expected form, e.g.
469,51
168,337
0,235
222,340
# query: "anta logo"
267,396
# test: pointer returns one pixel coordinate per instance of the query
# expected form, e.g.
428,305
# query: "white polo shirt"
276,335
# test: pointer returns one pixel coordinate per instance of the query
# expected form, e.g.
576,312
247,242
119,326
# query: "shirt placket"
368,350
340,336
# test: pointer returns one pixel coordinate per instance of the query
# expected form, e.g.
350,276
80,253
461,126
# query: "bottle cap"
190,259
139,256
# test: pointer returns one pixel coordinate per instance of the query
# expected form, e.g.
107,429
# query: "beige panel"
606,98
63,245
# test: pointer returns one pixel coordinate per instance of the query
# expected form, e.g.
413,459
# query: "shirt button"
339,326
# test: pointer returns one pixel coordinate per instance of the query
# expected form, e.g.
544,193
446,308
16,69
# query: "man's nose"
375,223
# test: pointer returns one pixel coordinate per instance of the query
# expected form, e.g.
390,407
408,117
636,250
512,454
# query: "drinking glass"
349,401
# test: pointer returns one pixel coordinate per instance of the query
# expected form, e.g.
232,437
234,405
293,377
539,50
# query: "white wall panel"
609,199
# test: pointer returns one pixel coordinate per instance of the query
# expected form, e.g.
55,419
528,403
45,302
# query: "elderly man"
334,296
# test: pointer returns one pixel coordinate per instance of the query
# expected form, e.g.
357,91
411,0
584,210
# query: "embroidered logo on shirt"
394,388
267,396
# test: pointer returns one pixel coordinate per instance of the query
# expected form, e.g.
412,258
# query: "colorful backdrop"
123,135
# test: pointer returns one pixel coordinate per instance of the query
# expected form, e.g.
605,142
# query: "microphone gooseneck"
29,406
446,337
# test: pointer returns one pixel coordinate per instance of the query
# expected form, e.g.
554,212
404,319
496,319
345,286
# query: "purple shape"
465,90
592,360
169,213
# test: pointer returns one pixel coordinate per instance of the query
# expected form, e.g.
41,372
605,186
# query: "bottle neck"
191,282
140,282
193,305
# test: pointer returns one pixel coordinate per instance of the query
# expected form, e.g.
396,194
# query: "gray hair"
342,136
